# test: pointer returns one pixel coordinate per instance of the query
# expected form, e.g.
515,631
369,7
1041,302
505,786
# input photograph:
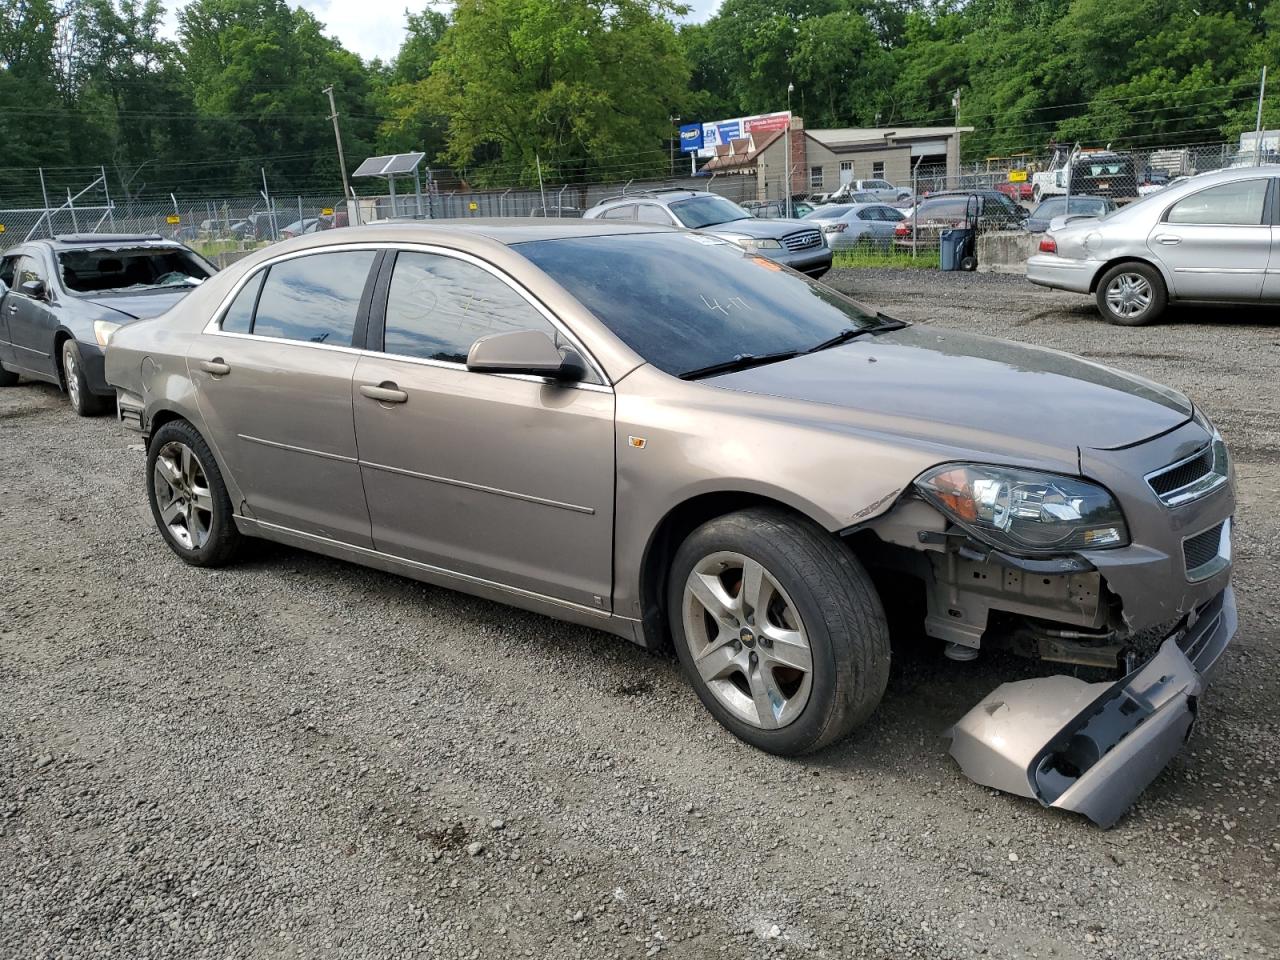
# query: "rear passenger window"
438,307
1239,204
314,299
652,213
625,212
239,316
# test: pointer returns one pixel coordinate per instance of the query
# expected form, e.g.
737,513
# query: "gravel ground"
301,758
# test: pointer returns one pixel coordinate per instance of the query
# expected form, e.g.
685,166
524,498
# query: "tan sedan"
656,433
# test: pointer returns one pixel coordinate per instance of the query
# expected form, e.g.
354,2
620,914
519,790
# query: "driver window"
437,307
1239,204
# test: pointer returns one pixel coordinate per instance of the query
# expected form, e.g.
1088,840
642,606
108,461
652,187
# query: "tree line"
498,91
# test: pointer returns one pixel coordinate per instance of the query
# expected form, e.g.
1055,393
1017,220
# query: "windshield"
707,211
130,271
684,302
1056,207
829,212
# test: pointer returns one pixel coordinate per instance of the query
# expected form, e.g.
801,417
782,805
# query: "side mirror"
528,352
35,289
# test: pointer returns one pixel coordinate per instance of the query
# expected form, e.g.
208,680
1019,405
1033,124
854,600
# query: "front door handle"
1168,239
216,366
385,392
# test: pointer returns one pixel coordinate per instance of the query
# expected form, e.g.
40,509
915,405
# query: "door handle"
1168,239
216,366
385,392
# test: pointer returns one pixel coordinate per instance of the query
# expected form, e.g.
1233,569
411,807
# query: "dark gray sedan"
1082,206
62,299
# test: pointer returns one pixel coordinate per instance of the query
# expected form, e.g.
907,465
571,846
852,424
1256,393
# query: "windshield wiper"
844,336
743,361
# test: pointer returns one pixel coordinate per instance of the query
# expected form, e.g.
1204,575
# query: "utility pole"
1257,130
675,123
541,190
786,186
955,102
337,137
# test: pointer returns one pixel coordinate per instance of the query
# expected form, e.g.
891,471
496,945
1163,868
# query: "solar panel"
388,166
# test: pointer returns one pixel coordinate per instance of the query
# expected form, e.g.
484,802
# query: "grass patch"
870,257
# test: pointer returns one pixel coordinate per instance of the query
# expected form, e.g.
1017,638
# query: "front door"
273,378
502,478
1216,243
31,322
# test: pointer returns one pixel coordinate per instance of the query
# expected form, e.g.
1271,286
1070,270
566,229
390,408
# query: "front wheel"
188,498
83,401
1131,294
779,630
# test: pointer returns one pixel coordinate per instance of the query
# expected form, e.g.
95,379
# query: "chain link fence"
932,219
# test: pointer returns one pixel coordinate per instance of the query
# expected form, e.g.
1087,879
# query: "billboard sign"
720,132
690,137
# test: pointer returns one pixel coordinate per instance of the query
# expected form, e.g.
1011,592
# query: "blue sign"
690,137
732,130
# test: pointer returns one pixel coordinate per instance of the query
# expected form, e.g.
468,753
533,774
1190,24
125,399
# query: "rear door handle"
1168,239
216,366
385,392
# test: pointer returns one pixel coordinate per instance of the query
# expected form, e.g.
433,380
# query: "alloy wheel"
1128,295
747,641
182,493
71,369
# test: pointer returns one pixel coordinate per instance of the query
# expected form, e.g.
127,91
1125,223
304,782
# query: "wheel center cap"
747,636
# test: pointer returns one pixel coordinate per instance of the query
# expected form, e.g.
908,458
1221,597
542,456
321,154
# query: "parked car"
256,226
671,439
1207,238
299,227
791,242
1017,192
856,224
62,300
777,209
1053,207
924,223
880,190
998,207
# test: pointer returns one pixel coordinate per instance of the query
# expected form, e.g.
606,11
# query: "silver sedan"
847,225
1211,238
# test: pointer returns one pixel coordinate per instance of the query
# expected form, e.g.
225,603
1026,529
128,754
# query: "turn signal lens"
102,331
1048,244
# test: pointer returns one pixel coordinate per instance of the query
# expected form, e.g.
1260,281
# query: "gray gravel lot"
300,758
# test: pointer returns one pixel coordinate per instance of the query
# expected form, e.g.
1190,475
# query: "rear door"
1271,284
273,378
1216,243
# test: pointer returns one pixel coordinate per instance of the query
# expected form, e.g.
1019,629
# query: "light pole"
675,123
786,186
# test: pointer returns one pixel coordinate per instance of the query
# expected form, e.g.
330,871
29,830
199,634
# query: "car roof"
665,195
504,230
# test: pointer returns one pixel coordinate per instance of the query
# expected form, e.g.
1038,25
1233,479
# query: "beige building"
822,160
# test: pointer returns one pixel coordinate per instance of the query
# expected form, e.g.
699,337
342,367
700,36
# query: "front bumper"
1062,273
815,261
1092,748
92,361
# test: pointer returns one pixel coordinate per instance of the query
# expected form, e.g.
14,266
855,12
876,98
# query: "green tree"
578,84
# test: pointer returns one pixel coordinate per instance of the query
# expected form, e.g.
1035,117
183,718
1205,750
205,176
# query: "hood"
138,306
759,229
1004,389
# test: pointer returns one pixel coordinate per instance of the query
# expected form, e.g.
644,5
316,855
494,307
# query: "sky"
374,28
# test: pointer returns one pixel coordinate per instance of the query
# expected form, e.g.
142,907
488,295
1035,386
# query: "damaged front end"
1152,607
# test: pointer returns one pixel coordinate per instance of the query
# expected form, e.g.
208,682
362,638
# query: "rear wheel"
1131,294
188,498
778,629
83,401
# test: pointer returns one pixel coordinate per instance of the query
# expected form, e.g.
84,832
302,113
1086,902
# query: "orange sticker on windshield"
766,263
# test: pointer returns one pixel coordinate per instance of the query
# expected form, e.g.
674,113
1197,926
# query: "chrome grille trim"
802,240
1193,477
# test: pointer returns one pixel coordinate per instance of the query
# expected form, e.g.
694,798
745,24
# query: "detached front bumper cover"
1094,747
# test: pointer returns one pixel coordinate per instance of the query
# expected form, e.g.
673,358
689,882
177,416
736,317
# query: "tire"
83,401
188,498
8,378
969,263
1132,294
822,612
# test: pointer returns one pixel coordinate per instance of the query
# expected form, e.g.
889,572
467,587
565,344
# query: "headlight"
751,243
102,331
1025,511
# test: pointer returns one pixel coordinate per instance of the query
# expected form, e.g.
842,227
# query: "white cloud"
375,28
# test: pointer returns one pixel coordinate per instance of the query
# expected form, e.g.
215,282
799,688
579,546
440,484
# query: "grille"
1183,474
1202,549
802,240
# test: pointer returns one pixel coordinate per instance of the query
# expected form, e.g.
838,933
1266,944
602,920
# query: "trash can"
951,244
